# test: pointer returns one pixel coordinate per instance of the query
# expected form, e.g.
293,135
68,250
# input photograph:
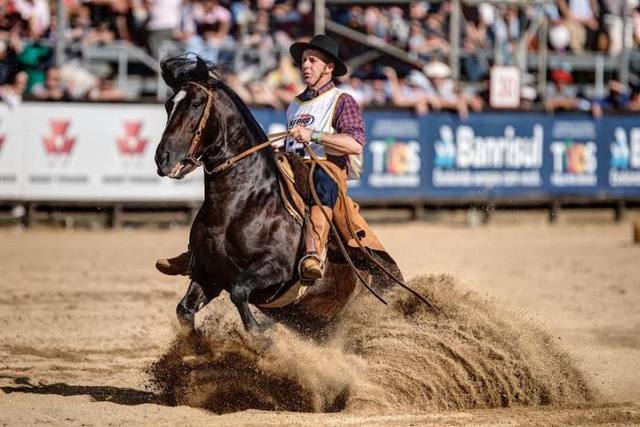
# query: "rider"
330,121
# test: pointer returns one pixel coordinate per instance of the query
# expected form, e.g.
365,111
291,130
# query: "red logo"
131,143
301,120
59,142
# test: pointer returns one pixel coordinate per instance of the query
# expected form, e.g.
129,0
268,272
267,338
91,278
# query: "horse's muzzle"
182,169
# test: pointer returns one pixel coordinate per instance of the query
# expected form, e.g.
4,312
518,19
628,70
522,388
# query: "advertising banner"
575,156
487,155
93,152
393,158
11,151
105,152
620,139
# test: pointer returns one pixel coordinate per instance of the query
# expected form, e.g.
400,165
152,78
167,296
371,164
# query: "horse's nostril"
162,158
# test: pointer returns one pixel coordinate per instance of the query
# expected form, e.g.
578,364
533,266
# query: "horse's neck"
251,177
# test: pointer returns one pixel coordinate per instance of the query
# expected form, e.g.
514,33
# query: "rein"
196,159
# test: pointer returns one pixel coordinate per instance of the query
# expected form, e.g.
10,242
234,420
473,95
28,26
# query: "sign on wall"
105,152
504,87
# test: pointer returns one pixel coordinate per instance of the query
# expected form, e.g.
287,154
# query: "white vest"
317,114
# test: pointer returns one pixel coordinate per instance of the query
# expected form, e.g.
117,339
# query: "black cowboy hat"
324,44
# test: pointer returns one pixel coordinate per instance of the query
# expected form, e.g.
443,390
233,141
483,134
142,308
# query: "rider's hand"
301,134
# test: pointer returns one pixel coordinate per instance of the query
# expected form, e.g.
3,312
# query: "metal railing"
597,63
125,53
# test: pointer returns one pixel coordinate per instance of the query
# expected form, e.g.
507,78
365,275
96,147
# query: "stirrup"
308,281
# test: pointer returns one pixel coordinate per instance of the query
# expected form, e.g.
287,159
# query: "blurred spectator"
247,35
408,95
561,94
427,42
559,34
212,23
36,13
376,23
634,97
616,100
474,64
444,90
34,58
254,51
52,89
77,81
164,19
612,11
285,16
284,82
528,97
506,32
106,91
635,25
580,18
360,91
379,95
8,61
12,93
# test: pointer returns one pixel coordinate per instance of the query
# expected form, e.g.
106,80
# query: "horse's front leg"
240,297
195,298
260,274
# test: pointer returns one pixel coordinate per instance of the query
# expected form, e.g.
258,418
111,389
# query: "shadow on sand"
121,396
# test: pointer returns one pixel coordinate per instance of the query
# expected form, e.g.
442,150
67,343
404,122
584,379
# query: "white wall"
86,152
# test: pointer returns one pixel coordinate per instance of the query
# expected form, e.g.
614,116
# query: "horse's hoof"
261,329
186,326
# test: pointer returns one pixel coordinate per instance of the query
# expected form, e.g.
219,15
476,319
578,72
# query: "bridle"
194,159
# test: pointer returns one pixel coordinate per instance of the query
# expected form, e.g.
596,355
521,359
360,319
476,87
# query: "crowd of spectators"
252,38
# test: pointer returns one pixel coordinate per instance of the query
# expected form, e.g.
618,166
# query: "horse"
243,240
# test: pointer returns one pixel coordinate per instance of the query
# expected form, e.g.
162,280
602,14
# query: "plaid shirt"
347,118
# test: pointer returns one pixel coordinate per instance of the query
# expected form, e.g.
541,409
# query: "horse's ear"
202,70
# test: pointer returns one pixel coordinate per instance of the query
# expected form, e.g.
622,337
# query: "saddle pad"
291,295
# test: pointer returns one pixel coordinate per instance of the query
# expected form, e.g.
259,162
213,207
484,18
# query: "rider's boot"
316,243
180,265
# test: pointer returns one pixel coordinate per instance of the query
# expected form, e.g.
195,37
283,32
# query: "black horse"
243,239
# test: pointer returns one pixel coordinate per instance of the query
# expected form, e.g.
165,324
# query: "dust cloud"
376,359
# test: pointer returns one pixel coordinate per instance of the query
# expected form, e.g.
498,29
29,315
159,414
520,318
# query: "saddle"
295,190
294,187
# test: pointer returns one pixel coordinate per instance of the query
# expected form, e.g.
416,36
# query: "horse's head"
191,123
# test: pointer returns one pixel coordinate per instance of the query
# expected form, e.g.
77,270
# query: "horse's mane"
179,70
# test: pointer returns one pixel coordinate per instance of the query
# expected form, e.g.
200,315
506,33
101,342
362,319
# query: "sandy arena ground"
83,313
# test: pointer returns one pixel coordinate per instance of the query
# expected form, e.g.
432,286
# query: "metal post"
61,29
543,58
319,17
623,72
620,211
599,76
122,68
454,36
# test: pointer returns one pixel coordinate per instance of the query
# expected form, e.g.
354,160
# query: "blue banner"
619,138
493,156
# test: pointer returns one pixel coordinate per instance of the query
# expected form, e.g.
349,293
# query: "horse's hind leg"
193,300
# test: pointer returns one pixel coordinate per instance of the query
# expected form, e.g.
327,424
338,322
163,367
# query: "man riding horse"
330,122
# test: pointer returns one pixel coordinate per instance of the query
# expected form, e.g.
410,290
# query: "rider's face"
315,67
